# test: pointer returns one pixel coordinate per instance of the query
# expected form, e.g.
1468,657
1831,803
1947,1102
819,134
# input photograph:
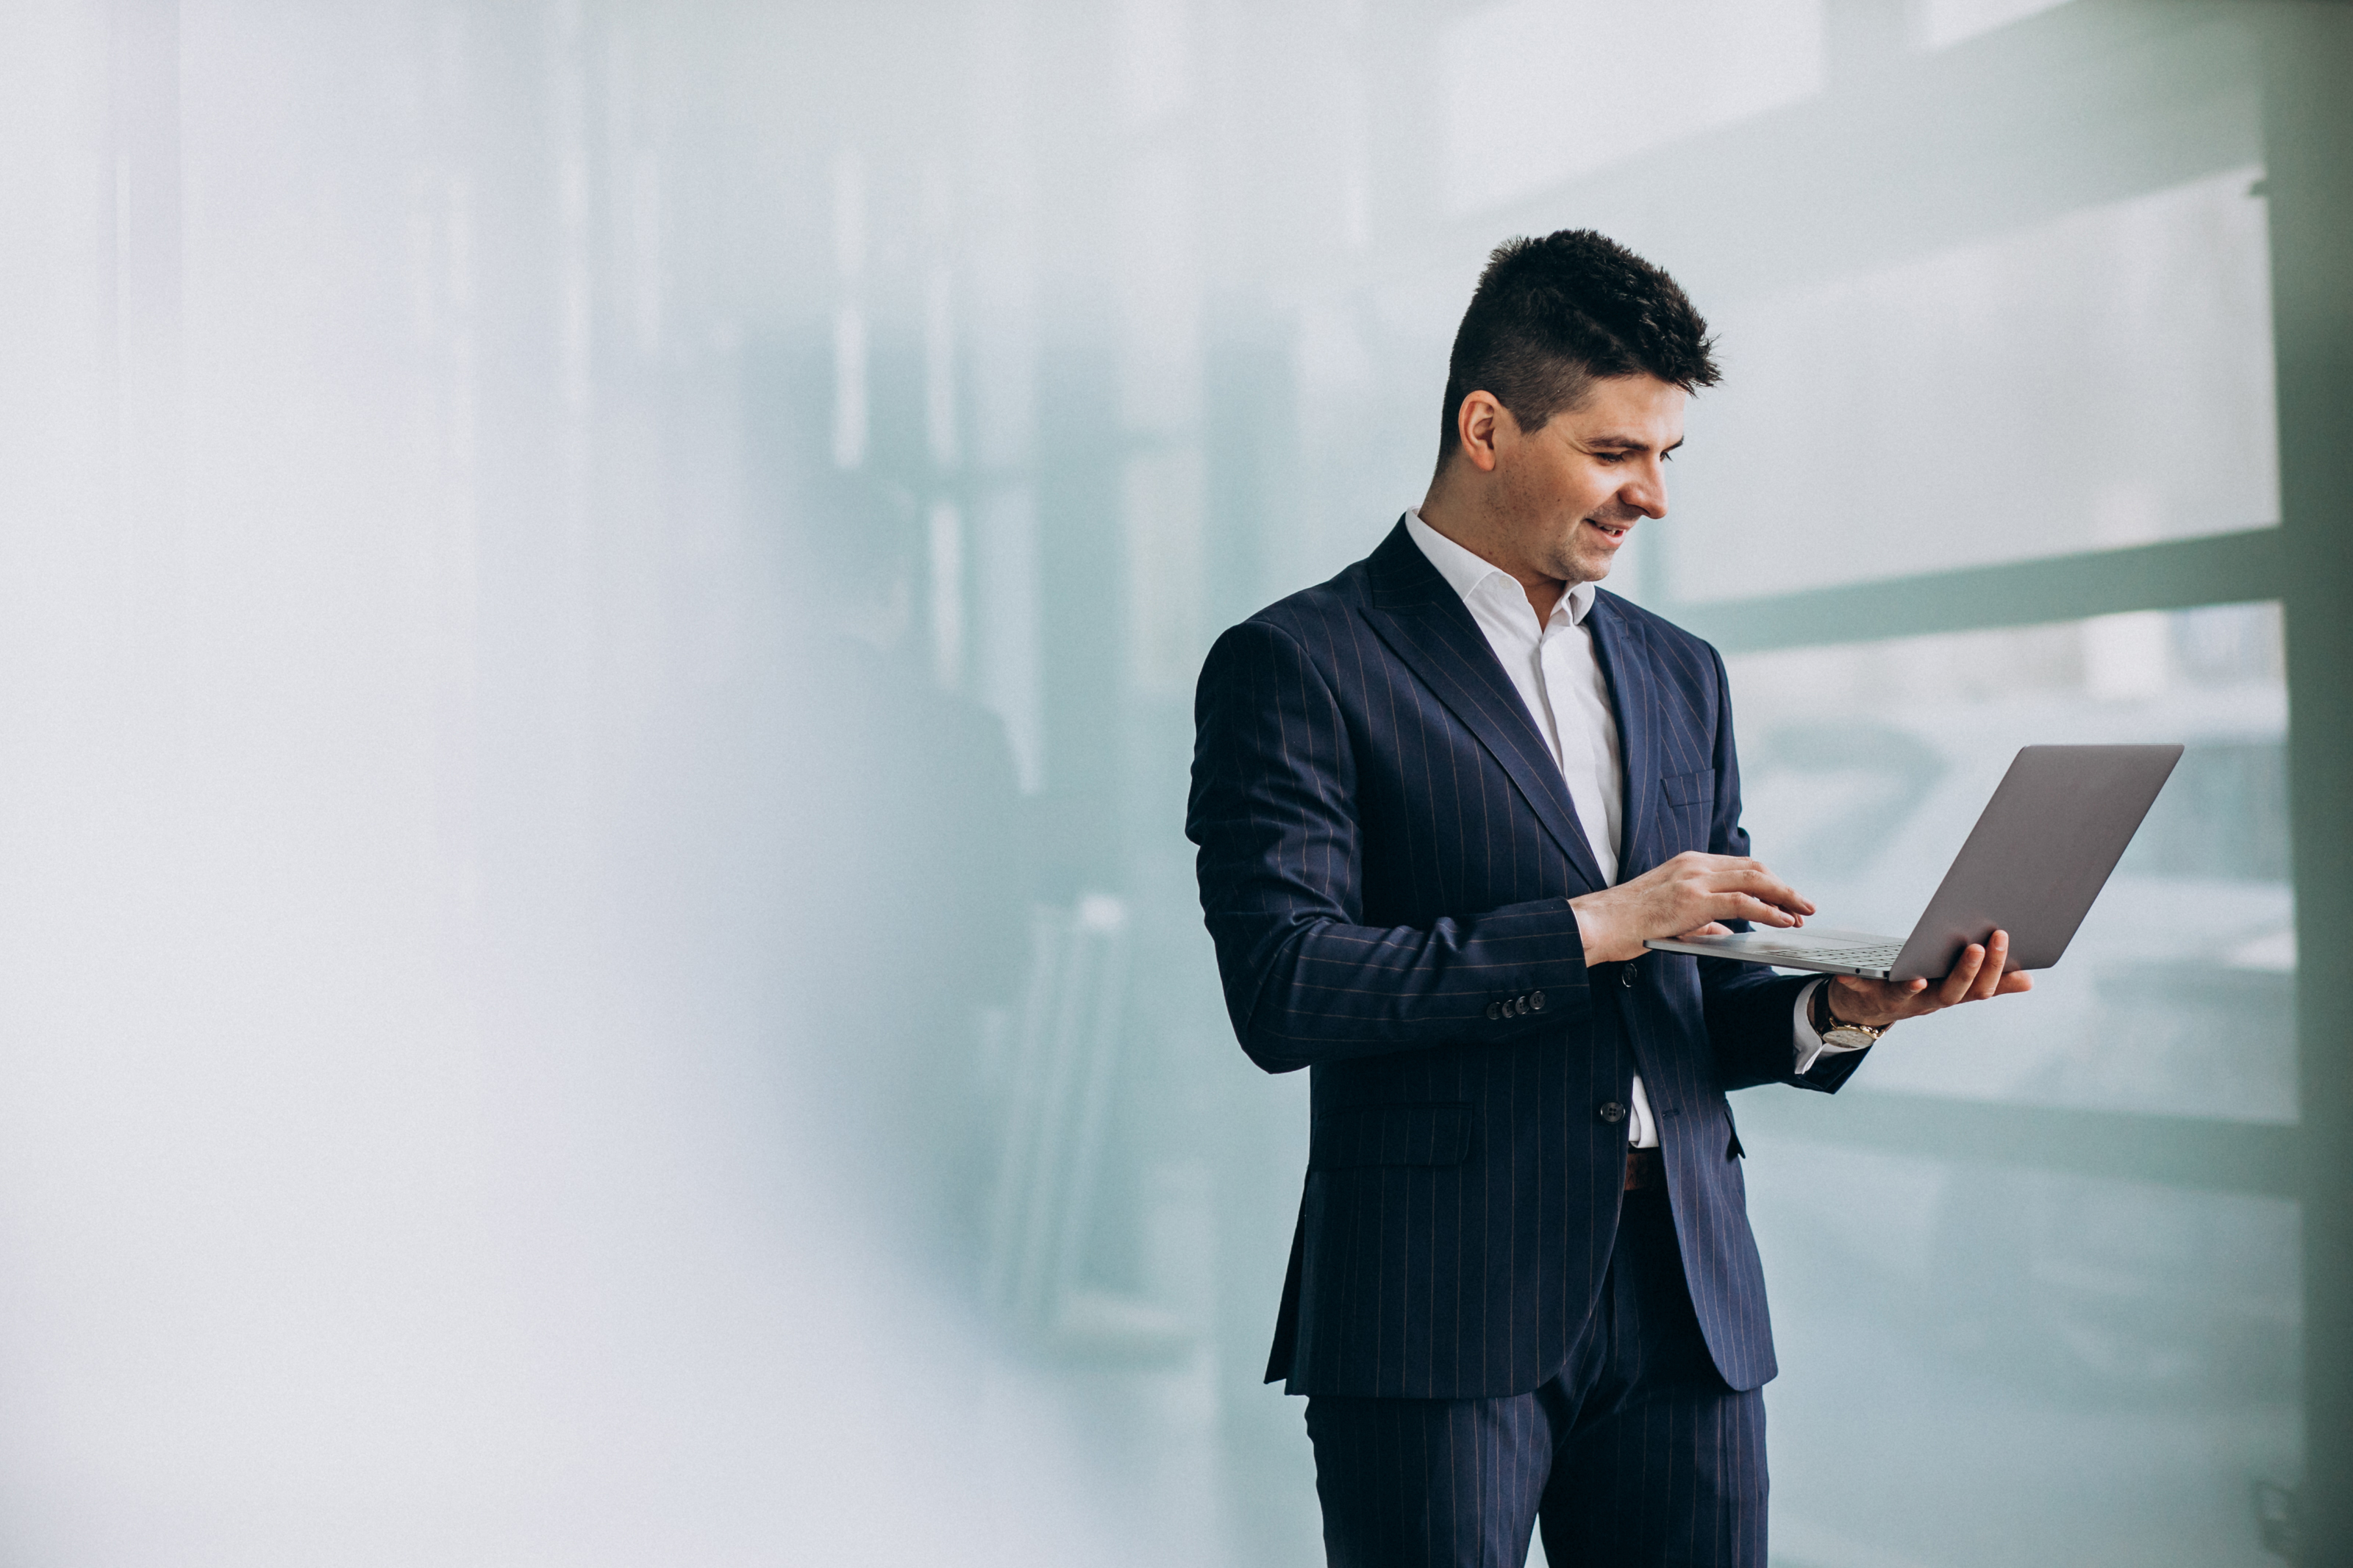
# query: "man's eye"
1609,456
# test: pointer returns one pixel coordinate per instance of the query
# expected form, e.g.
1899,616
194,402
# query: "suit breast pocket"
1691,803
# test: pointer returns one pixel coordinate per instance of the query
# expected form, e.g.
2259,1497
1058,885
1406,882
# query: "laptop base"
1822,952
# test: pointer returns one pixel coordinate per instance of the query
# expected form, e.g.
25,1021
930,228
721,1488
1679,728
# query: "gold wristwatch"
1835,1030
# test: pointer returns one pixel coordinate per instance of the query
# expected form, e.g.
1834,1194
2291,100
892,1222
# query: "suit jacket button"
1495,1010
1535,1000
1613,1114
1626,975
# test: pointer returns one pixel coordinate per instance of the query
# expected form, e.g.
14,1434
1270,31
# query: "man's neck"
1448,517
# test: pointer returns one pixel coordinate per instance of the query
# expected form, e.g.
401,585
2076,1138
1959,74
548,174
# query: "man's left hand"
1977,974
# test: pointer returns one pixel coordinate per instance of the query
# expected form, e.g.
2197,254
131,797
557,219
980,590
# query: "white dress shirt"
1559,680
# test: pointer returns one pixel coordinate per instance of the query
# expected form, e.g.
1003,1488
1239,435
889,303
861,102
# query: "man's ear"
1479,424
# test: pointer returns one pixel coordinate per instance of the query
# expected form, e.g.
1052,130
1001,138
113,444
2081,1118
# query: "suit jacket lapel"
1427,626
1624,655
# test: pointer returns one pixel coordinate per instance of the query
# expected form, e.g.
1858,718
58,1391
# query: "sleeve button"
1495,1010
1535,1000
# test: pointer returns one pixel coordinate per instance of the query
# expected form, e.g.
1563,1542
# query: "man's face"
1568,496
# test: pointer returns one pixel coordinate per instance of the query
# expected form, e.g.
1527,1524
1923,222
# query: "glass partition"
2102,378
1864,765
600,605
2100,1302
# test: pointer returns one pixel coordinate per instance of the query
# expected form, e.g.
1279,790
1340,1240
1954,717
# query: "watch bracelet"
1828,1019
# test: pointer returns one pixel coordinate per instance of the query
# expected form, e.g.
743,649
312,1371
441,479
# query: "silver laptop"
2039,853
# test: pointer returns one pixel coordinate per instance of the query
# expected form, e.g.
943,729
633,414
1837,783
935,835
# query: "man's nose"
1646,492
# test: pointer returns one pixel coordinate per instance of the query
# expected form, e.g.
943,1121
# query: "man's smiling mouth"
1611,531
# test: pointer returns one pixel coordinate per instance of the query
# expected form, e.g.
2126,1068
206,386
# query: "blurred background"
598,603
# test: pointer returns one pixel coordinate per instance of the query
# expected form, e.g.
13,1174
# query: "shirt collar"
1466,573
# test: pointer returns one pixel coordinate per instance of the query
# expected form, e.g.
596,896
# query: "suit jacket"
1387,853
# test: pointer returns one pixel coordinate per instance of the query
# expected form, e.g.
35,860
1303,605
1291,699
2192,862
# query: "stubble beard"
1584,559
1576,557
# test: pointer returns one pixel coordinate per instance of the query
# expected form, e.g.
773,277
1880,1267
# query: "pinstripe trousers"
1636,1453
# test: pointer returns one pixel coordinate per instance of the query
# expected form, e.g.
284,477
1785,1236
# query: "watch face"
1847,1035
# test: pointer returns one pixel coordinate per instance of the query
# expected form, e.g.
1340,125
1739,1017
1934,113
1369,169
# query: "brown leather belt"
1645,1168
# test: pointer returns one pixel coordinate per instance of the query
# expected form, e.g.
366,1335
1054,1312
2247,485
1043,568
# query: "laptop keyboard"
1853,957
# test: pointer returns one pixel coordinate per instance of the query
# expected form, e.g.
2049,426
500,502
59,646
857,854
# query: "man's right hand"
1682,898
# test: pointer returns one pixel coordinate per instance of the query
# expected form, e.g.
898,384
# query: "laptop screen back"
2038,855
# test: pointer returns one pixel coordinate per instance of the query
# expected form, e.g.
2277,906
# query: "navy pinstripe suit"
1387,853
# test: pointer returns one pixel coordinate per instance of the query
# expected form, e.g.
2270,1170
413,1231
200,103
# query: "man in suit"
1442,801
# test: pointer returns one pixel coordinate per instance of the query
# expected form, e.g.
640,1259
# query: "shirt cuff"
1810,1046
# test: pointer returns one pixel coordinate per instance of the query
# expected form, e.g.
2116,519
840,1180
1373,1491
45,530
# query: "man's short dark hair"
1551,316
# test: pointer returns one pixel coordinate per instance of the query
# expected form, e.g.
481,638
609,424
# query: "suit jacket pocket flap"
1689,789
1390,1135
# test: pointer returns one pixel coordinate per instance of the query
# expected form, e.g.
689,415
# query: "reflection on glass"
1864,767
1944,22
602,605
2074,1332
1504,67
2102,379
